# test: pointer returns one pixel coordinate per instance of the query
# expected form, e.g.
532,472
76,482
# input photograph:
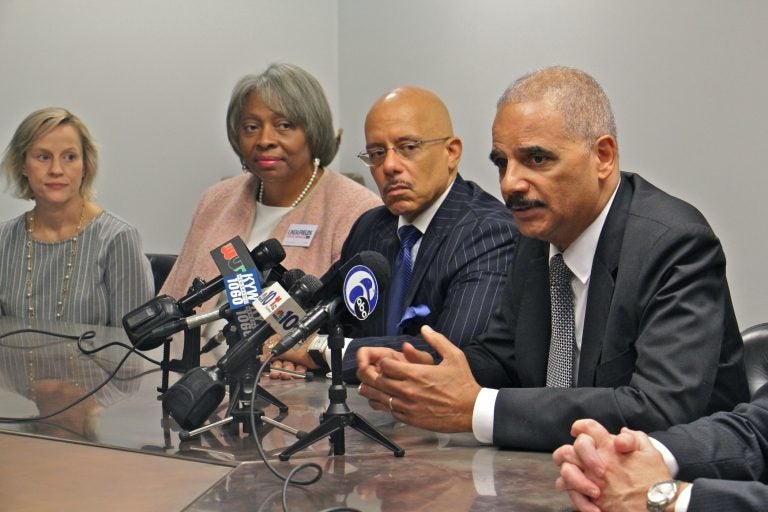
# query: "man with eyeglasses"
457,239
616,306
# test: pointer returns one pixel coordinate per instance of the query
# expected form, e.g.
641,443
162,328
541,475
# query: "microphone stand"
241,388
190,357
240,398
238,411
338,415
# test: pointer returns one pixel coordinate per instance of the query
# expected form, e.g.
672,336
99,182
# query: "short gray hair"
577,96
290,90
38,124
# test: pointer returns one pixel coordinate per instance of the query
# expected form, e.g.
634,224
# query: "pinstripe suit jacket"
459,270
725,456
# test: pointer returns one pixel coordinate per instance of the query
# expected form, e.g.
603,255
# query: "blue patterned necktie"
401,277
560,362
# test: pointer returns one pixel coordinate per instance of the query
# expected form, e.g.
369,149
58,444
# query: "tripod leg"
325,429
361,425
338,443
272,399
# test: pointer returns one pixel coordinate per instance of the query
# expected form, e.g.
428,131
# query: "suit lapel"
602,281
430,244
442,223
533,319
375,233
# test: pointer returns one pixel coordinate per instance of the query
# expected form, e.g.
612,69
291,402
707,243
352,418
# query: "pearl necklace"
316,163
67,272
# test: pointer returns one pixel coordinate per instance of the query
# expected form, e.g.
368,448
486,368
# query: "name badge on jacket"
299,235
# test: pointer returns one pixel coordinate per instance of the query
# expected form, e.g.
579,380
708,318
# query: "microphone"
216,340
267,257
290,277
195,396
359,281
248,348
189,322
145,324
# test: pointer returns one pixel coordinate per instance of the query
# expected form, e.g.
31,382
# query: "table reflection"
51,372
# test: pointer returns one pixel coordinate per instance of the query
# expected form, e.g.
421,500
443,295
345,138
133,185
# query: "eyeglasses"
408,149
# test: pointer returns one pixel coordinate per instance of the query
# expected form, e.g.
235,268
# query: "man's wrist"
661,496
682,498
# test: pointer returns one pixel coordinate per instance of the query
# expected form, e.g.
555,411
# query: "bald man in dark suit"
467,237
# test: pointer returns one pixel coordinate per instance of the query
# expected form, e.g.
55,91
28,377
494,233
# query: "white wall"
686,79
152,80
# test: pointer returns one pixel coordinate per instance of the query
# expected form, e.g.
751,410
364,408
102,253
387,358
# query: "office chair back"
756,355
161,267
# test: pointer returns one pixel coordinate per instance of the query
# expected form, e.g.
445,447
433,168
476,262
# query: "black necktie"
560,362
401,277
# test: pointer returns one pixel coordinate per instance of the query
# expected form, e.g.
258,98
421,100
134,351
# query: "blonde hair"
38,124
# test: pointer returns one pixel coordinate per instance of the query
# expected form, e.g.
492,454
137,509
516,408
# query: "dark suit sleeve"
724,455
720,495
657,360
462,285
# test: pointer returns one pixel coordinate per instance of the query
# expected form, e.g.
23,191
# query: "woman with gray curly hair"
280,127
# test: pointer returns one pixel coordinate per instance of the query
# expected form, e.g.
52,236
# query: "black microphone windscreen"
378,265
193,398
291,277
268,254
309,283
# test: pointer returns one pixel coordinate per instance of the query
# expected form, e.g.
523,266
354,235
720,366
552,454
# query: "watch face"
661,492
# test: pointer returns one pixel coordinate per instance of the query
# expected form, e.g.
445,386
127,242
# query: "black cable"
87,335
127,347
287,480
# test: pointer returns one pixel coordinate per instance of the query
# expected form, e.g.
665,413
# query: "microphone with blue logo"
356,283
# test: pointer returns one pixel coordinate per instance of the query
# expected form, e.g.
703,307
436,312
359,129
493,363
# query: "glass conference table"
118,450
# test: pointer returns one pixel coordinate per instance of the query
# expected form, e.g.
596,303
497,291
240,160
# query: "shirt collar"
422,220
581,253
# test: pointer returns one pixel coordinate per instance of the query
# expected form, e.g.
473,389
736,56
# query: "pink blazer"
228,209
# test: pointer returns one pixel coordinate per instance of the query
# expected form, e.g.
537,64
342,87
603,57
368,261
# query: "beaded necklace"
67,271
316,163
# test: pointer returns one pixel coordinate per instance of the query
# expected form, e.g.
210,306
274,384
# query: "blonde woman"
66,258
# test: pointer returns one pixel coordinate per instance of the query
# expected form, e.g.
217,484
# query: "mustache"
397,183
518,201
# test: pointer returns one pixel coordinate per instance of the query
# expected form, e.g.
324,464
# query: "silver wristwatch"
661,494
316,350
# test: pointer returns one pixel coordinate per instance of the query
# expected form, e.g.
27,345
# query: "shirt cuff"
669,459
482,415
681,505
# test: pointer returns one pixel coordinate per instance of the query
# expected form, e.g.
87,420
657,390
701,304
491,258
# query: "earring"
245,167
316,163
